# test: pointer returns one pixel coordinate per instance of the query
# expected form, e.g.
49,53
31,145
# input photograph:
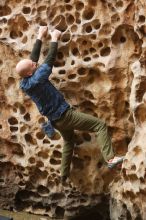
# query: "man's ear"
29,74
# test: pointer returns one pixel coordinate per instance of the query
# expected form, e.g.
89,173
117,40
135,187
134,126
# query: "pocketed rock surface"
100,69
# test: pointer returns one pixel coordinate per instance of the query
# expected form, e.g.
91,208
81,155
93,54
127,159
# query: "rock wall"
100,69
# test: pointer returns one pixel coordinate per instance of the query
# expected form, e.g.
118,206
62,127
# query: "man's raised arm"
50,59
35,54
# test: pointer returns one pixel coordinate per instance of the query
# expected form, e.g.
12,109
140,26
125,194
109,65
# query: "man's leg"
79,121
85,122
82,121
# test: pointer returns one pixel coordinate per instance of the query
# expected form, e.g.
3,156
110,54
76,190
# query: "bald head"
25,67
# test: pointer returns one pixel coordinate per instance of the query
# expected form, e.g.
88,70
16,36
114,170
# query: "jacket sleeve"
51,56
35,54
40,76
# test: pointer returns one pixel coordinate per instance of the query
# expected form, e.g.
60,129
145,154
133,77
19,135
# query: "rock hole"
1,126
68,7
100,44
31,160
5,10
79,5
74,28
26,10
59,211
20,34
29,139
13,129
88,94
87,59
133,167
24,40
60,55
27,117
14,137
84,43
58,146
141,19
65,38
1,62
40,164
46,141
82,71
72,62
12,121
115,18
40,135
72,76
56,136
70,19
92,50
33,11
122,39
88,29
119,4
2,156
93,36
99,164
56,80
42,190
57,154
41,120
13,34
92,2
11,81
137,150
87,158
43,154
96,24
41,8
95,56
93,71
22,109
43,23
54,162
88,13
105,51
4,20
21,184
62,25
75,51
14,109
85,52
62,72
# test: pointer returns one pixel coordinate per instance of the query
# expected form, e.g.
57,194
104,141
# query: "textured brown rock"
100,68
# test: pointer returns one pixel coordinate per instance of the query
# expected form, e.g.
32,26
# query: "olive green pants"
73,120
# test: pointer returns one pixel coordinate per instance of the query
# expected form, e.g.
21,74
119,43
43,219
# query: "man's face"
26,67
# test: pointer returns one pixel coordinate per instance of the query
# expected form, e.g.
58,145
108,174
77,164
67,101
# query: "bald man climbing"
51,103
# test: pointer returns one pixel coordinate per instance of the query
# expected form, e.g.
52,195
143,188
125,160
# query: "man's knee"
101,126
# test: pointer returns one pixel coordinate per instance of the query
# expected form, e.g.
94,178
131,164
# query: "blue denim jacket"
50,102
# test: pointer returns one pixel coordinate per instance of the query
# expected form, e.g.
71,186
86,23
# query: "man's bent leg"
85,122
